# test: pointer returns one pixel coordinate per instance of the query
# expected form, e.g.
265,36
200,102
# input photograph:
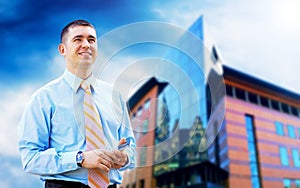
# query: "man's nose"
85,43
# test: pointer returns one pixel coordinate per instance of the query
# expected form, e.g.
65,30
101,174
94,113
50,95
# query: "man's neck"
82,73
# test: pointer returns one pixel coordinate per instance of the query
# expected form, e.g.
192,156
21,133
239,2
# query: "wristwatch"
79,158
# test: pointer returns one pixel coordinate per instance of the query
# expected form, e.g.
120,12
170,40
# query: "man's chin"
86,62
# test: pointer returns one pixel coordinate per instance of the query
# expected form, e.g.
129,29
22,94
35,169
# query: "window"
143,156
296,158
279,128
291,131
253,169
250,128
285,108
275,105
145,126
229,91
240,94
294,111
253,98
147,104
255,182
252,151
287,183
298,132
297,183
284,156
142,183
264,101
139,111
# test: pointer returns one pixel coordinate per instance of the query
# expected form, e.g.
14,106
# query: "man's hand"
98,158
105,160
120,156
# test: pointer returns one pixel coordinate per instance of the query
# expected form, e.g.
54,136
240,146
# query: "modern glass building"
203,124
169,117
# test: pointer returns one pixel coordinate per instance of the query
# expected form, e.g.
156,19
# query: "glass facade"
181,110
252,152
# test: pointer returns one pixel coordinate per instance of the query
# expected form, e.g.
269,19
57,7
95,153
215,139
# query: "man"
53,132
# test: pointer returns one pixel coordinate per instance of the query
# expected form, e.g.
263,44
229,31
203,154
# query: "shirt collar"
74,81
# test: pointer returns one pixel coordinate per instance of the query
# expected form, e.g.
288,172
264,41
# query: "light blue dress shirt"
51,130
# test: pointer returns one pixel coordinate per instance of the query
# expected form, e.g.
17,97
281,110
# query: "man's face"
79,47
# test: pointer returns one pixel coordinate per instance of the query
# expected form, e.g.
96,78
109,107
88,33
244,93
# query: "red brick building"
260,138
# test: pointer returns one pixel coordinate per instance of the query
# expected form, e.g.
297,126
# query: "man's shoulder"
49,87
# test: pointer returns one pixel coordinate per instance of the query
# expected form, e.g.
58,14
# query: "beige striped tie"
94,136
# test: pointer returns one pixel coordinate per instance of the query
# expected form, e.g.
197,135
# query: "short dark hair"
74,24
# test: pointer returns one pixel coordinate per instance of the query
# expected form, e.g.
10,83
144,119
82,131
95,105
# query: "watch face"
79,157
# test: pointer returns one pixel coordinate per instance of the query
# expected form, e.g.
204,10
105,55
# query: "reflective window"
145,126
250,136
287,183
264,101
285,108
284,156
291,131
240,94
275,105
143,155
294,111
229,91
252,151
139,111
296,159
253,169
252,98
297,183
255,182
147,104
279,128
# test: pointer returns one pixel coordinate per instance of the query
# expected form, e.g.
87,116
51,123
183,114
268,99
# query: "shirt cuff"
69,160
129,163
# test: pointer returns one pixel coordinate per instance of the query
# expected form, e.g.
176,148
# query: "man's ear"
62,49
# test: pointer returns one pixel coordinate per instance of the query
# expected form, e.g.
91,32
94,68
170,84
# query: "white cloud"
13,103
259,42
58,63
260,38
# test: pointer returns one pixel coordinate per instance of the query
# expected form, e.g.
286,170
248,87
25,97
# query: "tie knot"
85,85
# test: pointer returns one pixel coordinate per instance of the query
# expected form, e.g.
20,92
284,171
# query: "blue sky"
260,38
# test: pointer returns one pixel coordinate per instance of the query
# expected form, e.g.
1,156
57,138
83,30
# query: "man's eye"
77,40
92,40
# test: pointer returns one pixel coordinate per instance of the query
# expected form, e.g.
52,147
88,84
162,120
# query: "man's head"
74,24
79,47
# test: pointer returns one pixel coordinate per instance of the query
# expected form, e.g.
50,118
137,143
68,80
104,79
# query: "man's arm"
126,131
34,133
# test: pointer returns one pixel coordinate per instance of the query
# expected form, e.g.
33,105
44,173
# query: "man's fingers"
120,157
122,141
103,167
106,155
